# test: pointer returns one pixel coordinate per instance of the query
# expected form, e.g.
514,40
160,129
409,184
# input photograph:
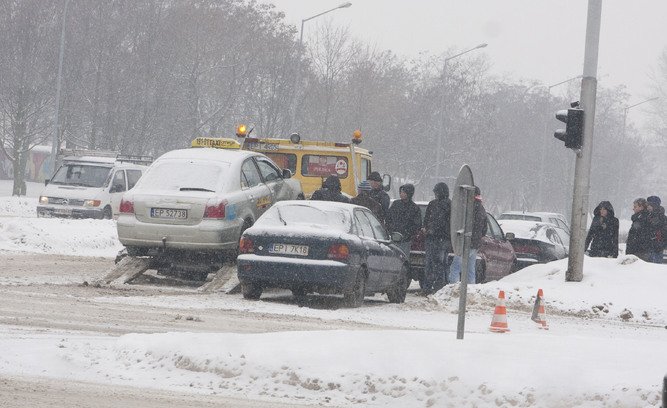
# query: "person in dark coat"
658,225
378,193
330,191
639,236
479,227
405,217
438,241
603,233
364,199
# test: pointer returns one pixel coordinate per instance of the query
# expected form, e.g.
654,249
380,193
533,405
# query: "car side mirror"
46,182
287,173
509,235
396,237
386,182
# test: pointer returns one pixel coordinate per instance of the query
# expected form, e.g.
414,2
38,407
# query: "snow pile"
23,207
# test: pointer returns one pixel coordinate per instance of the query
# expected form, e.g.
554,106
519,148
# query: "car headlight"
43,199
91,203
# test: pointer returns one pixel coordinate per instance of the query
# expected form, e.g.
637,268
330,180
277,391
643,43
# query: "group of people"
647,237
404,216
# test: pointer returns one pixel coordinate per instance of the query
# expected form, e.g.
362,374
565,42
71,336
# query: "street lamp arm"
639,103
344,5
465,52
563,82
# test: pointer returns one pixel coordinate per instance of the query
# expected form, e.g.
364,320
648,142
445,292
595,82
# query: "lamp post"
543,153
297,75
56,133
627,108
443,104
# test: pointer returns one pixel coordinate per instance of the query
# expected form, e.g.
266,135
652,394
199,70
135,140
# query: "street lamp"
627,108
56,133
297,75
438,151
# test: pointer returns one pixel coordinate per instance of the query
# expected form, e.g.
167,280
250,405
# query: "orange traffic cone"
499,321
539,316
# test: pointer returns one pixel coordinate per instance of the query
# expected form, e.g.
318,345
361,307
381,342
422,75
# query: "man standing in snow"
364,199
405,217
478,231
330,191
603,233
438,244
639,236
658,226
378,193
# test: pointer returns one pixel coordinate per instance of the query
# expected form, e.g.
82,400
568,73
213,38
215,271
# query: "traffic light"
573,133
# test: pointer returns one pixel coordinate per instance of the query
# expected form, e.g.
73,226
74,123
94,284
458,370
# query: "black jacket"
479,225
438,213
404,216
381,197
657,222
603,233
639,236
330,191
365,200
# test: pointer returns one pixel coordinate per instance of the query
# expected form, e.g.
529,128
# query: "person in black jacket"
405,217
603,233
364,199
330,191
658,225
479,227
639,236
378,194
438,241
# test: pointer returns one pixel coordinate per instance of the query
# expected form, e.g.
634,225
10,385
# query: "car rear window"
184,175
301,214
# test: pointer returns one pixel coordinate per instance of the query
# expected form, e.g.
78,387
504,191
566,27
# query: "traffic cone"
539,316
499,321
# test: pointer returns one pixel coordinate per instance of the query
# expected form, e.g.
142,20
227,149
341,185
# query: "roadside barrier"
499,321
539,316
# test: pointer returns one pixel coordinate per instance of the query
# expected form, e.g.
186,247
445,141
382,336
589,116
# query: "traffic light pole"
582,170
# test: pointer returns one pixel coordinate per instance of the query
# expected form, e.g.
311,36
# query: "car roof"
526,229
205,153
322,205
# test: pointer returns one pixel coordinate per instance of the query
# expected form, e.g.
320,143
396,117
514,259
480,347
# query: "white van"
90,184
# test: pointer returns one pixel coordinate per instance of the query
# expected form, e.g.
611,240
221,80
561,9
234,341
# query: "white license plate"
169,213
289,249
62,211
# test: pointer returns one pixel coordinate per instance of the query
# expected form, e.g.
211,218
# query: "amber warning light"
356,136
241,131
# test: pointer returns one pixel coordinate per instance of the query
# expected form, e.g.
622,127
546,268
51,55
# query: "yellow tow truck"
311,161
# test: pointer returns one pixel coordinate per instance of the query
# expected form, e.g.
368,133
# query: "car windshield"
519,217
184,176
81,175
302,214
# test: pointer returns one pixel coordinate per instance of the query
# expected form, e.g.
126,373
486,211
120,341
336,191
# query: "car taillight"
246,246
215,209
339,252
126,206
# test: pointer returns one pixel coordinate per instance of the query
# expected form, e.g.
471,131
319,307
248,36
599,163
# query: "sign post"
461,234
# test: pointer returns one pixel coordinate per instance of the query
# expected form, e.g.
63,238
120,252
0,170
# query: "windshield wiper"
195,189
280,217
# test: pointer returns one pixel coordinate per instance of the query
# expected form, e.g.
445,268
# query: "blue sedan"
322,247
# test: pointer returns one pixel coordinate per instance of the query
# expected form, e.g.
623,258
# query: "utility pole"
55,143
582,171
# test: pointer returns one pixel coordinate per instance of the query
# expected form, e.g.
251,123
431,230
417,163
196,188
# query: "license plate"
289,249
169,213
62,211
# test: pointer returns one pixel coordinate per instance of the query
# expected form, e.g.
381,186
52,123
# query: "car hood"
64,191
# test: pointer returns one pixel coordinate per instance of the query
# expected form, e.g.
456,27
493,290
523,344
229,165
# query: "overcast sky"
539,40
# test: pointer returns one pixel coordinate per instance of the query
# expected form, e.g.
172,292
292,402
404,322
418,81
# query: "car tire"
480,272
398,292
107,214
355,297
251,291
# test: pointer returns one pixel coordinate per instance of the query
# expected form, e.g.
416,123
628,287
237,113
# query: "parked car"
534,242
191,206
556,219
90,184
322,247
495,258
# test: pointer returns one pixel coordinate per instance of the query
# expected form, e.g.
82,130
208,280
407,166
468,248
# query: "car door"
116,190
504,254
272,177
257,193
374,253
391,262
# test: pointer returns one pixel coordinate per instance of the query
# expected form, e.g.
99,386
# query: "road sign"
457,221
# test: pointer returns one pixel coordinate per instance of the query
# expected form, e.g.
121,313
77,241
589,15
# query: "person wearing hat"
479,227
657,223
404,216
438,241
377,193
603,233
364,199
330,191
639,236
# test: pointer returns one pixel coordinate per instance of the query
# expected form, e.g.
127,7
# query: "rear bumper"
283,272
69,212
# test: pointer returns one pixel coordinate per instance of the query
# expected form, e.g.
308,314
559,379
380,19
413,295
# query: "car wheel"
355,297
106,213
398,292
480,272
251,291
